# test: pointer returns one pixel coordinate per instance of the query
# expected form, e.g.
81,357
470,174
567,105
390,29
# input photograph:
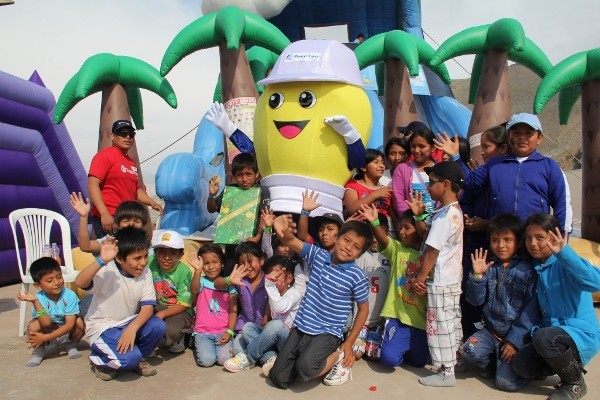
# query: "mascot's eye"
307,99
276,100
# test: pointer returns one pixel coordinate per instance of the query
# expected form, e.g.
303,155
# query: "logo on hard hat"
295,57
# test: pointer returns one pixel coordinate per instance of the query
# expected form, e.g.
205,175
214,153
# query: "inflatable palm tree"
230,29
260,61
120,79
581,74
493,45
402,54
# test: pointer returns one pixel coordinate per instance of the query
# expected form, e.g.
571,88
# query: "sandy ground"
179,377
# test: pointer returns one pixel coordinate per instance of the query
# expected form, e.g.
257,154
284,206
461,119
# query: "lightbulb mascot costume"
310,125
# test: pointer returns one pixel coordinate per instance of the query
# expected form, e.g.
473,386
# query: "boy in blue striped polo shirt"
313,347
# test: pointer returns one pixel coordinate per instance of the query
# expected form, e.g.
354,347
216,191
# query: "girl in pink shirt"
216,309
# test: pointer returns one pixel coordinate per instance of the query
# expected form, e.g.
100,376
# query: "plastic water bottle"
47,252
56,253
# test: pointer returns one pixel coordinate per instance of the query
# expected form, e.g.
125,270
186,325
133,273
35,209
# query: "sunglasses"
124,134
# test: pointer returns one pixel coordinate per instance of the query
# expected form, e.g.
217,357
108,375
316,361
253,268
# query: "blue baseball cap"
524,118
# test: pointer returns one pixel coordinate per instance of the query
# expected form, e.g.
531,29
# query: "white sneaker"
338,374
266,368
441,379
238,363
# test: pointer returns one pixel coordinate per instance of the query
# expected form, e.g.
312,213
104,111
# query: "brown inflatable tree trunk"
114,107
399,102
236,82
492,105
236,76
590,114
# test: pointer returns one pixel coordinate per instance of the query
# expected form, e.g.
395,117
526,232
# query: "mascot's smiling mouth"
290,129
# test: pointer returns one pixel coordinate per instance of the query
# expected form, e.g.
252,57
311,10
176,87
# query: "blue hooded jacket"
565,285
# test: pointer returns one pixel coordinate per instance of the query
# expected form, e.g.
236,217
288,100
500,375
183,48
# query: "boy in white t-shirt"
441,269
377,270
120,335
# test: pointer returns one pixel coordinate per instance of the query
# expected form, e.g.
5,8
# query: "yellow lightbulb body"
317,151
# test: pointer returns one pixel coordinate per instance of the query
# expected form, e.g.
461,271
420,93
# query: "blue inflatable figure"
182,182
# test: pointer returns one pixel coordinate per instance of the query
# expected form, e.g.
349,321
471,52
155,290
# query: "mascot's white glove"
341,125
218,116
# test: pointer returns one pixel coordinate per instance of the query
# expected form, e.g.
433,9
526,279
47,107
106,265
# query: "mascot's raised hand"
341,125
218,116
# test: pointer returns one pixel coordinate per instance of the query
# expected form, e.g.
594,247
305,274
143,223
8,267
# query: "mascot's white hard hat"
316,61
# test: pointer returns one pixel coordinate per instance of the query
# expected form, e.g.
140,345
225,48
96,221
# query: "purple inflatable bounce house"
39,165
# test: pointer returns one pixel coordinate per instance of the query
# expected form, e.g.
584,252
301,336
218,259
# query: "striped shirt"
330,294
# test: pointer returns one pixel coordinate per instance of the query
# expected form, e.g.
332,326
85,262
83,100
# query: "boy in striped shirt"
314,346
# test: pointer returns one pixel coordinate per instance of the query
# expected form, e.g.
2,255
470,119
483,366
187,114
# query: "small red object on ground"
373,388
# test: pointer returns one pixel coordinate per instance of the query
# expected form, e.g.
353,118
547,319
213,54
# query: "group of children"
387,282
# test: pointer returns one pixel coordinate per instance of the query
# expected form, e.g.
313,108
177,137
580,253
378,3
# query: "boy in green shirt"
172,281
404,338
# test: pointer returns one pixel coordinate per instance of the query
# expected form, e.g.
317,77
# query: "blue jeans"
209,351
263,342
403,343
104,349
482,348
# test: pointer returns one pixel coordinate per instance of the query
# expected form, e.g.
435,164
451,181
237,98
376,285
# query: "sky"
55,37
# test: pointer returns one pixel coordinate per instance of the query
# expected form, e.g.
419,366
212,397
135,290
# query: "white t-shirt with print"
377,270
445,234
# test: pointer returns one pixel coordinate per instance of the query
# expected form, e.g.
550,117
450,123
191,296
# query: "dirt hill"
563,143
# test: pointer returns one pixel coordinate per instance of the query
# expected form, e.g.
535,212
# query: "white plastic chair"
36,224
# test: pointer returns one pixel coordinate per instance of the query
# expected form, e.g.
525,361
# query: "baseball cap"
449,170
122,124
169,239
414,126
332,217
315,61
524,118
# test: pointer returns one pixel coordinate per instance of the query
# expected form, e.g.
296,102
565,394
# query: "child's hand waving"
478,257
81,207
195,262
109,249
447,144
267,216
555,241
309,200
415,202
237,274
369,211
